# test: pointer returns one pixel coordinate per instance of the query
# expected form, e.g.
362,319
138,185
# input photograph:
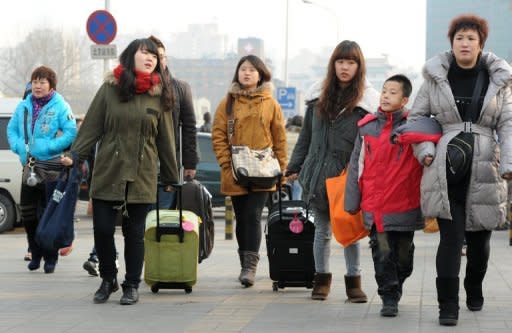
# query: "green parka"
133,136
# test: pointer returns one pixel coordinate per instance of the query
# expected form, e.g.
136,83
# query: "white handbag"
258,168
254,167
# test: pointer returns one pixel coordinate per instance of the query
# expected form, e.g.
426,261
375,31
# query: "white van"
10,170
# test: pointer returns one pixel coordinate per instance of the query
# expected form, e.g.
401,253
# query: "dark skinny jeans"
33,200
105,214
248,209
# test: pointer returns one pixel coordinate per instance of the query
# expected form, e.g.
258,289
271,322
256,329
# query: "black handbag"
459,152
38,171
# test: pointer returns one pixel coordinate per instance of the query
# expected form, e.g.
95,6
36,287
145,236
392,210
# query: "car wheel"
7,213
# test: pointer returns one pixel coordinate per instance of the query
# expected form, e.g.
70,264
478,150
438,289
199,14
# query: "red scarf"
143,81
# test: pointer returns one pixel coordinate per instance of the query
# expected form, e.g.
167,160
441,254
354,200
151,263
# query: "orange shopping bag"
346,228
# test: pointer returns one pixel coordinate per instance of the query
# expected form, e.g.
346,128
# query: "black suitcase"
290,254
197,199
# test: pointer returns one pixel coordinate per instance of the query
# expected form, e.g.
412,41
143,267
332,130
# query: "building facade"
498,14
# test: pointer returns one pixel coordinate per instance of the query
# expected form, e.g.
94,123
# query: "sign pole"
106,62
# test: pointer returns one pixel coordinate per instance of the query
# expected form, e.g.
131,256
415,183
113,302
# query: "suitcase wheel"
154,288
280,284
188,290
274,286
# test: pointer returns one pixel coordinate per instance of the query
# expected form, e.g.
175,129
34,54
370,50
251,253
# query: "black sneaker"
91,267
389,308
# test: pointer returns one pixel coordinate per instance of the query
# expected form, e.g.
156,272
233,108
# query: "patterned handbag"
258,168
253,167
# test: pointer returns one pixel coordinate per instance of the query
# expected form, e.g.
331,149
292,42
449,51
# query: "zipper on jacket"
368,149
400,150
143,143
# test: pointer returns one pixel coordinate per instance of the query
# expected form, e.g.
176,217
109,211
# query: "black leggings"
452,239
248,209
105,214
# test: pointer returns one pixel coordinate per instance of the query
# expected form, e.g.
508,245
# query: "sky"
393,27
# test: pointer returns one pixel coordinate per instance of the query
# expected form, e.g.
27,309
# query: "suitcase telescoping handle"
178,187
170,230
280,200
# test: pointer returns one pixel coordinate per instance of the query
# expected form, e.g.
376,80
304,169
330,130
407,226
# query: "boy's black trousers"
393,255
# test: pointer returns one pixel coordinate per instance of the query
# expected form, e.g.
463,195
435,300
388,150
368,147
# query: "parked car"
208,170
10,171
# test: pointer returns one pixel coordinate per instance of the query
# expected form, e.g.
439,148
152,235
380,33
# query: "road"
62,302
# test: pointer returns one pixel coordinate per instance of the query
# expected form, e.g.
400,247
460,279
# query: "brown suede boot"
250,262
354,292
321,286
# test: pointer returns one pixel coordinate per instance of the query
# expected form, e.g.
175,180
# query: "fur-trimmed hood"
156,90
369,102
265,89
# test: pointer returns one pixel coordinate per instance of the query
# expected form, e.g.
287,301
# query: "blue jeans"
93,256
322,247
296,190
166,200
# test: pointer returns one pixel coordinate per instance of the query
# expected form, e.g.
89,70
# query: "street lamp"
331,11
286,45
309,2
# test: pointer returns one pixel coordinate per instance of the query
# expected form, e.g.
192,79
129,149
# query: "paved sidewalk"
62,302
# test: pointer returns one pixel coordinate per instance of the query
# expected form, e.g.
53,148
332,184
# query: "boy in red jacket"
384,182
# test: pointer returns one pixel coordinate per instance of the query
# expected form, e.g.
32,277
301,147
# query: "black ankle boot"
448,298
49,267
50,261
35,263
130,295
106,288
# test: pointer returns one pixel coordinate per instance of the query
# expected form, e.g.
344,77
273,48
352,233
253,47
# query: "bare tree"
67,56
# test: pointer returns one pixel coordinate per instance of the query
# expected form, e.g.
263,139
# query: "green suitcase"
171,262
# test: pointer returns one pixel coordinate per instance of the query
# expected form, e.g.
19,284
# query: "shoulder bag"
257,168
55,229
37,171
459,152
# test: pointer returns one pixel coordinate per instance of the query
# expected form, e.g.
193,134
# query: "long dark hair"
126,84
264,72
333,97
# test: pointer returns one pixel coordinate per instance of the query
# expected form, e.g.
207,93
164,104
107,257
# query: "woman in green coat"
131,119
323,150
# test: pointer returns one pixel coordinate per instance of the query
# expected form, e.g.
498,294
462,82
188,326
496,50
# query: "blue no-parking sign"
101,27
286,97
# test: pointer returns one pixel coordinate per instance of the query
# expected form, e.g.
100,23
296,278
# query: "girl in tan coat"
258,124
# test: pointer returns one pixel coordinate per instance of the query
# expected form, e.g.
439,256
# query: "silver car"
10,170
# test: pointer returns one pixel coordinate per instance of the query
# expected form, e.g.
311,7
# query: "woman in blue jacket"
50,128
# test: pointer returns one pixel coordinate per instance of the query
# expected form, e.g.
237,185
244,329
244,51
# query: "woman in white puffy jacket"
469,207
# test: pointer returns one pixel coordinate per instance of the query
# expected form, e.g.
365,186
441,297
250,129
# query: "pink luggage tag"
296,225
187,225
